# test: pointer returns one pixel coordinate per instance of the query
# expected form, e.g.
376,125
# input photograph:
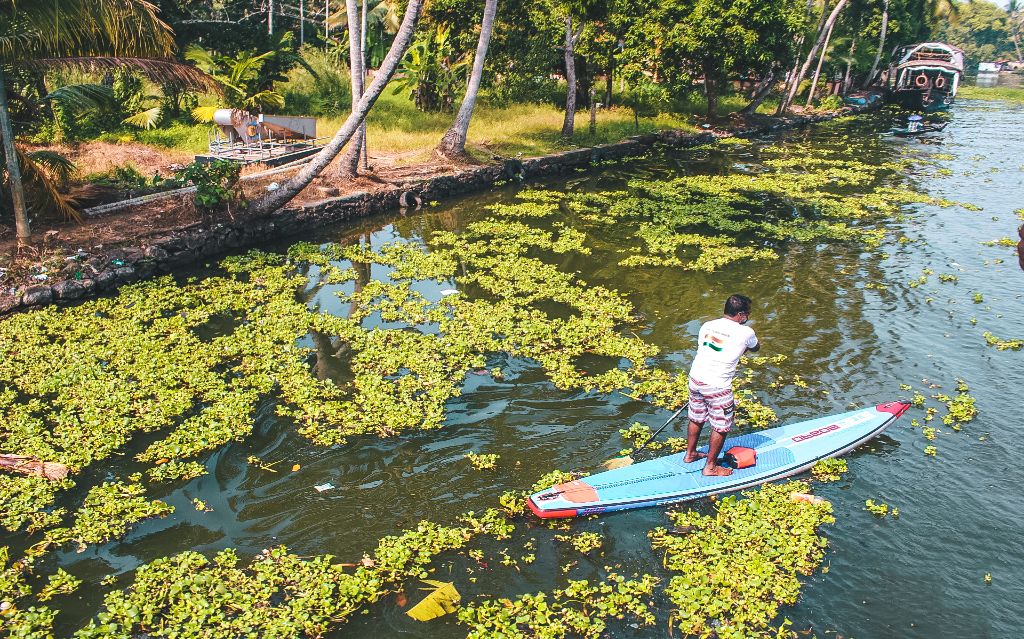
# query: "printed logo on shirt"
714,343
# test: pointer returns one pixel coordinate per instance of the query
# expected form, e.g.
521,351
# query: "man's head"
737,308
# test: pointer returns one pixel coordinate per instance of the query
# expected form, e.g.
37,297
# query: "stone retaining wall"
191,245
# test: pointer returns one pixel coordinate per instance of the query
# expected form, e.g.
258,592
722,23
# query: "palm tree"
817,70
1013,9
881,45
349,164
287,191
453,143
90,35
571,38
824,31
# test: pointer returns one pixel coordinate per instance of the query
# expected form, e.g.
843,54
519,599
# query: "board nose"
896,408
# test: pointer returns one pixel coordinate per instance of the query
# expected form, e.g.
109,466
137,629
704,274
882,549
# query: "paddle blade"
618,462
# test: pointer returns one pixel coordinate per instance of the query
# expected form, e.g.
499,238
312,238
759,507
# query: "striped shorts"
714,405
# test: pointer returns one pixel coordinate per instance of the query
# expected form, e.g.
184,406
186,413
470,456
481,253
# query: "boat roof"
930,53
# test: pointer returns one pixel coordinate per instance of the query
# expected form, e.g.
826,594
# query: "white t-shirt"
720,344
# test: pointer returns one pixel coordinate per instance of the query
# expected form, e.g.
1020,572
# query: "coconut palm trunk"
24,231
453,143
881,46
791,75
569,123
817,69
761,91
287,191
349,165
822,34
847,78
1013,9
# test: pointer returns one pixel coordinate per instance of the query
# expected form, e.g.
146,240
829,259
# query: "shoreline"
188,244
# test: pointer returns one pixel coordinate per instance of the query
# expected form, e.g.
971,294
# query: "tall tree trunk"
287,191
569,123
817,69
761,91
881,46
829,23
362,57
608,79
24,232
453,143
849,65
349,165
1015,22
711,91
791,76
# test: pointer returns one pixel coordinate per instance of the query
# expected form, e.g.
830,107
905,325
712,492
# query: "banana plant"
432,73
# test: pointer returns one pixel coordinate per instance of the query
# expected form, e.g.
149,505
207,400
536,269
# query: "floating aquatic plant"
584,542
581,609
829,469
877,509
483,462
737,567
1003,344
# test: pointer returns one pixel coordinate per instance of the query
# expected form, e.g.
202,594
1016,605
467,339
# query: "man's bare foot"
696,456
716,471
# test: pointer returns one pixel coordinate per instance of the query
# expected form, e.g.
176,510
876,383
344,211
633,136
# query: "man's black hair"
737,304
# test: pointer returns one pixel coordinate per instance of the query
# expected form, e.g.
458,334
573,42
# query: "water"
921,575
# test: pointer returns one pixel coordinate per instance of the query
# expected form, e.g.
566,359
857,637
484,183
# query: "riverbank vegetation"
531,78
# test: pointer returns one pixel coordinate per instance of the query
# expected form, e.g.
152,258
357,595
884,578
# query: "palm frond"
201,57
83,28
61,167
41,190
147,119
79,97
162,71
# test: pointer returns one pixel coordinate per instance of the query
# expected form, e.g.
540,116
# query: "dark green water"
922,575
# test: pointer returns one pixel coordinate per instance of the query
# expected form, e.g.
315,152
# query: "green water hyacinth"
829,469
736,568
190,596
581,609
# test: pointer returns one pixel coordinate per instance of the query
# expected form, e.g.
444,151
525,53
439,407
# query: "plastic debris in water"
449,291
324,487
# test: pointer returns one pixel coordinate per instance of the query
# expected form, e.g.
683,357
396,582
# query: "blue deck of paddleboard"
668,479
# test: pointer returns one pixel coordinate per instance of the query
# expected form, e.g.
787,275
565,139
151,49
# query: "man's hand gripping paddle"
622,462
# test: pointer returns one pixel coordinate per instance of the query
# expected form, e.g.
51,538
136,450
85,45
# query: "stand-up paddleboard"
781,452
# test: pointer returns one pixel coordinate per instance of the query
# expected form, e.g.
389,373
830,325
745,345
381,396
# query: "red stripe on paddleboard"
895,408
550,514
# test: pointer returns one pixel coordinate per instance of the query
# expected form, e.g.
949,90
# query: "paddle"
622,462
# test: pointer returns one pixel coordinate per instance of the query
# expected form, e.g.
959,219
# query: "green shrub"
830,103
215,183
327,91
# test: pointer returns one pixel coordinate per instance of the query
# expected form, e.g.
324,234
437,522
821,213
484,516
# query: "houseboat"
925,76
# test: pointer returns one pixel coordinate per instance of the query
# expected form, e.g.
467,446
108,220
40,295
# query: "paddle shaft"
663,427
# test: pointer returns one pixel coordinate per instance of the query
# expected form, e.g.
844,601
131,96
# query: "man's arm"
757,345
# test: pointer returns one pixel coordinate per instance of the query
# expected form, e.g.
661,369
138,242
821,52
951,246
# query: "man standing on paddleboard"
720,344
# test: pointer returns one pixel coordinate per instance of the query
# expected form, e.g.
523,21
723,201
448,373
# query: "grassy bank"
396,128
1007,94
